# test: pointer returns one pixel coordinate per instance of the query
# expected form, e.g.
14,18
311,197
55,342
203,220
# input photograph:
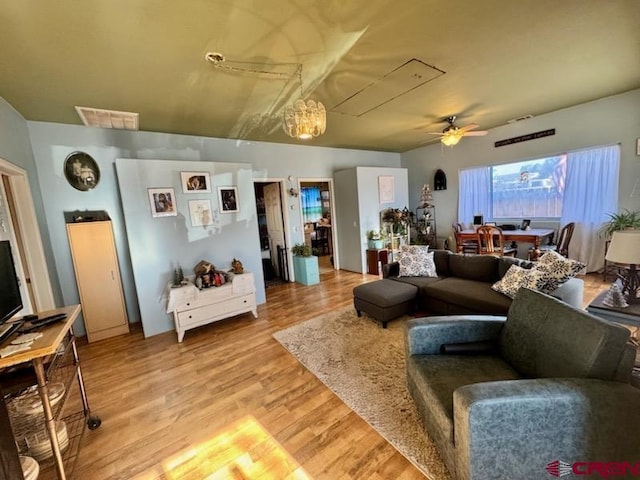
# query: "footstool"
384,299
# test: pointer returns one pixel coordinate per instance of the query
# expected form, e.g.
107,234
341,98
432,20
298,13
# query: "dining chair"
463,246
491,242
321,242
562,245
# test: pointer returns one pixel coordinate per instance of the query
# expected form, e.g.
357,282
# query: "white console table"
192,307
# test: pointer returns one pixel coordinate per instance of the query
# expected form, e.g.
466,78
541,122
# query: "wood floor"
158,399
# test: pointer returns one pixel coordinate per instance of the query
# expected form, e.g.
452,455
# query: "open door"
318,211
273,237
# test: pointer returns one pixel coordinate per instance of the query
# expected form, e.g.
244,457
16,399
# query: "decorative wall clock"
82,171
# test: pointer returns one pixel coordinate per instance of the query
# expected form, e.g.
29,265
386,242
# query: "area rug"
363,364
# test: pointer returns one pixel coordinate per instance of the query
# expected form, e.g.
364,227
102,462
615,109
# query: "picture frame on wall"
162,201
195,182
200,212
386,189
228,198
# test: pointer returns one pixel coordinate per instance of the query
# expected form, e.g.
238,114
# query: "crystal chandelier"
304,120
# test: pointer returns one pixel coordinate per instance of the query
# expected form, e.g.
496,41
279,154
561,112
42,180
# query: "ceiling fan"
452,134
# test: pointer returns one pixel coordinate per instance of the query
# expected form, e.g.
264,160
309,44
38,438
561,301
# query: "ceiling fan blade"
479,133
471,126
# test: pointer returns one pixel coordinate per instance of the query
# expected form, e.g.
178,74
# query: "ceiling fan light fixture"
451,136
304,120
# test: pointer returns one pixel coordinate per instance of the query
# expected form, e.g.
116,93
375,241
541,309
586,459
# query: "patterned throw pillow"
416,261
518,277
557,269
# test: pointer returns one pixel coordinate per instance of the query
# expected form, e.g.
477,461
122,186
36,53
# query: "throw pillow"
558,269
416,261
518,277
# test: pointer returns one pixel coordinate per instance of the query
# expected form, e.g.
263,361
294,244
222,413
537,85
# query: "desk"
534,236
44,349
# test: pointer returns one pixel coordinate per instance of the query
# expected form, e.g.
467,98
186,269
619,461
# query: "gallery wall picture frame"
195,182
81,171
228,198
386,188
162,201
200,212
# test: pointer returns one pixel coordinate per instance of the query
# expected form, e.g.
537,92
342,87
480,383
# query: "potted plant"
621,221
305,265
375,238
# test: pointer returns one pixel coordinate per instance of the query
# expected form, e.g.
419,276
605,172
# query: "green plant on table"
621,221
301,250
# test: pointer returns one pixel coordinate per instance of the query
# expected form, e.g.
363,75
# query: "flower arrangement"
399,219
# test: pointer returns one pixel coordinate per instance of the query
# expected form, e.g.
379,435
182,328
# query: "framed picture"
163,202
195,182
525,224
386,188
228,197
200,213
478,220
81,171
638,146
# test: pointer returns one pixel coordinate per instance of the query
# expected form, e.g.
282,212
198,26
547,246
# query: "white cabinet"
192,307
95,262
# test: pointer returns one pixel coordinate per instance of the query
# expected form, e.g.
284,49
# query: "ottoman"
384,299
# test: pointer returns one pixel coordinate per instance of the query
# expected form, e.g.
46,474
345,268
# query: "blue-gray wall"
607,121
52,143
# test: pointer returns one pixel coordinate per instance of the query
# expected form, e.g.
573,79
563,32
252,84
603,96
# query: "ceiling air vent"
519,119
96,117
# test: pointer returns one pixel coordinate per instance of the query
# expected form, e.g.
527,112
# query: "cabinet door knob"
188,304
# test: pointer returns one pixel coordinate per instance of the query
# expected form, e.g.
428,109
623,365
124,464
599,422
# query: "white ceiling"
501,59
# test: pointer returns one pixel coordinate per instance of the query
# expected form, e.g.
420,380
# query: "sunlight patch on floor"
244,451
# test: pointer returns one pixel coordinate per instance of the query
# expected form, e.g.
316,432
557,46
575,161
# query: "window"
530,189
536,189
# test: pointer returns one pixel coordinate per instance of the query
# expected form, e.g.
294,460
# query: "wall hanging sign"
525,138
228,197
195,182
163,202
81,171
439,180
386,192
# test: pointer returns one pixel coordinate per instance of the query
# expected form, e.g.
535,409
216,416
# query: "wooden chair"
562,245
491,242
321,241
463,246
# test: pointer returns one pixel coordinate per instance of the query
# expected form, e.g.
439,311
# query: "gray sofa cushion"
552,339
441,259
471,295
483,268
504,264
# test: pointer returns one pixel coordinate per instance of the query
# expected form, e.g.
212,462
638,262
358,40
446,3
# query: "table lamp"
625,248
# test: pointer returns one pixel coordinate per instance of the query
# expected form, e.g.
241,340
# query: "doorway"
317,213
19,225
273,235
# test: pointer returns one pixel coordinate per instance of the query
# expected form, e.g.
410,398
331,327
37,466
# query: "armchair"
556,387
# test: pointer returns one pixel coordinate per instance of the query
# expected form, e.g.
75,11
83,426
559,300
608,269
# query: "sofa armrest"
513,429
571,292
425,336
391,270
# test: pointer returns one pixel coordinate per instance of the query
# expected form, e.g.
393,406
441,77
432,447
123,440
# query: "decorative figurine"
426,197
237,267
615,297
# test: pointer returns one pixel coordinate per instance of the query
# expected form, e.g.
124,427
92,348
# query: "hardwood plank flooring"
157,398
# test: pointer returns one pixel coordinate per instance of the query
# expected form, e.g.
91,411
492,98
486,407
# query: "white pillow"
557,269
416,261
518,277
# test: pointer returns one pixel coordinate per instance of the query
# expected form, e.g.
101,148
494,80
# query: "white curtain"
591,191
474,194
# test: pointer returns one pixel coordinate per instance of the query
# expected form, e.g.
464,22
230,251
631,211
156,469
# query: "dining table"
534,236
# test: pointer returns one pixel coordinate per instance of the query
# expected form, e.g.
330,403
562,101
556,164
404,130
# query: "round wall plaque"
82,171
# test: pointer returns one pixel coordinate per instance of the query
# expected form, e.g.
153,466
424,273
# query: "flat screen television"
10,299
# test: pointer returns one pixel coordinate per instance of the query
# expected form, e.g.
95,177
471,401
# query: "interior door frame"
285,217
31,241
334,231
